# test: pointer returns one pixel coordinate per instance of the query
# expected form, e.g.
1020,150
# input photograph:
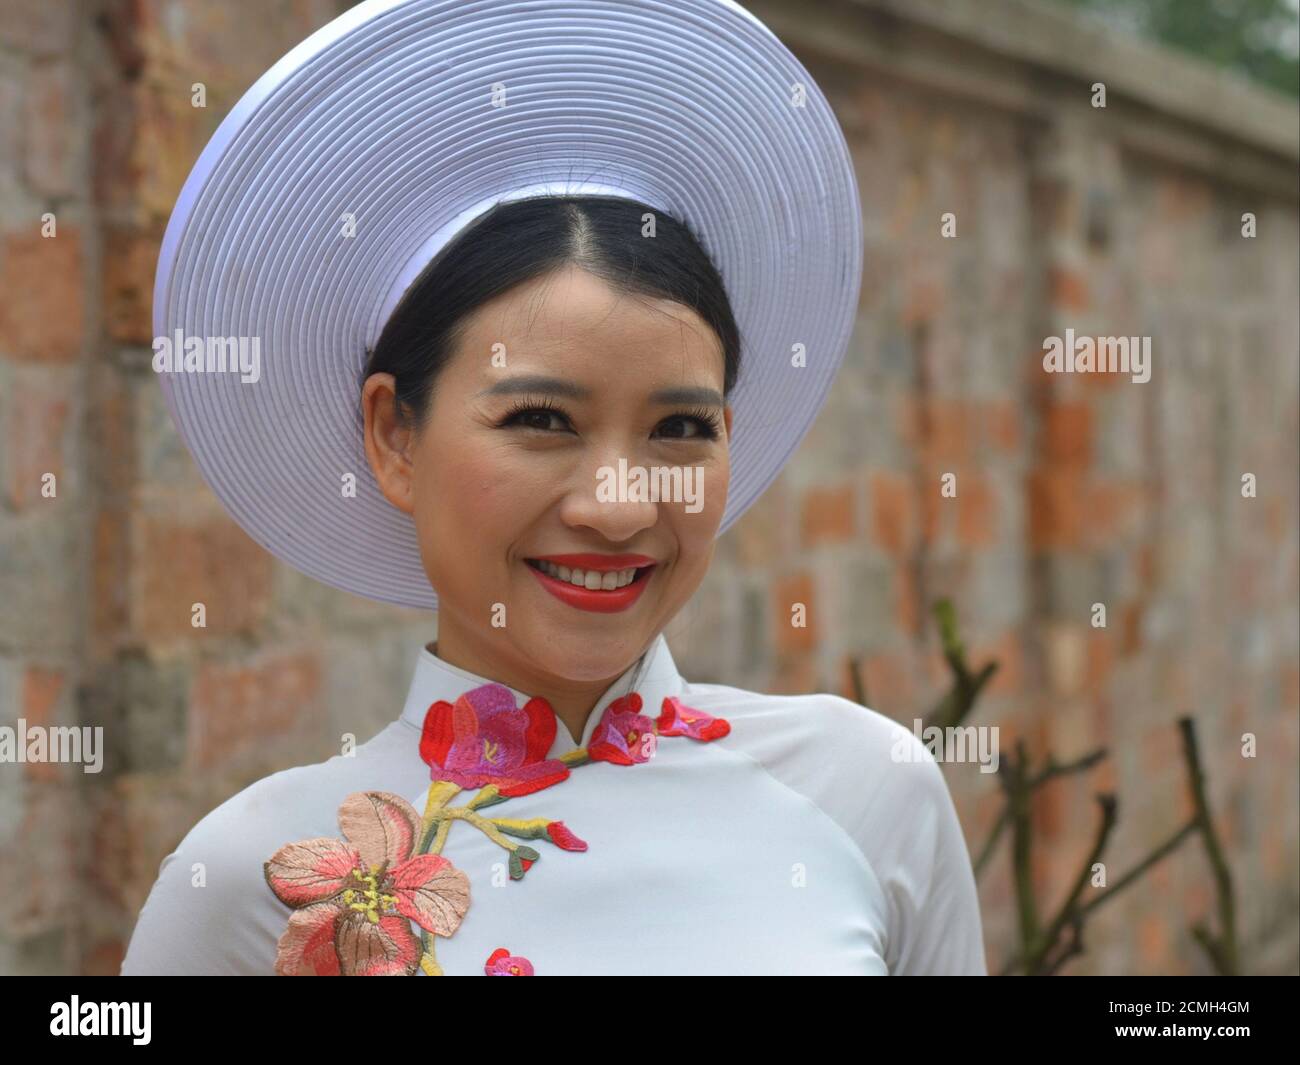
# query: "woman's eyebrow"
558,386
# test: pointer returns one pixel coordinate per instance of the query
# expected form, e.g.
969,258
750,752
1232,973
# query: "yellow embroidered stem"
577,757
535,826
444,826
464,813
489,792
441,792
427,961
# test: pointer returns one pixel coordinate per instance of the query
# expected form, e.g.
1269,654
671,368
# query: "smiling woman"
552,340
477,357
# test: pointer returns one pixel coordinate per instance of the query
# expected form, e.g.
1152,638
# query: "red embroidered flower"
678,719
485,739
503,963
559,834
354,901
620,737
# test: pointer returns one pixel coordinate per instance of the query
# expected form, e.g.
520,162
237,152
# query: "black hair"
519,240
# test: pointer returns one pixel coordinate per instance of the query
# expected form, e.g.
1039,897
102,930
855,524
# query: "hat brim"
385,115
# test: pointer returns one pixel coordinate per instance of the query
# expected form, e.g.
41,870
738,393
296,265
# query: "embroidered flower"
354,901
503,963
560,835
620,737
483,738
678,719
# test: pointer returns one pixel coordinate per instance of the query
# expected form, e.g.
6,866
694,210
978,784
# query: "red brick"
1104,776
1153,943
37,419
49,130
43,28
827,516
907,600
976,511
795,676
1112,509
1002,426
214,563
1130,629
1290,685
1101,658
939,430
949,431
129,264
761,532
933,506
1162,748
1067,435
41,690
1007,651
110,561
1049,813
887,680
893,513
1058,502
42,314
786,591
1067,289
234,707
104,958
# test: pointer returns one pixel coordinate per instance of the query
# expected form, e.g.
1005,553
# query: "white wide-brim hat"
383,123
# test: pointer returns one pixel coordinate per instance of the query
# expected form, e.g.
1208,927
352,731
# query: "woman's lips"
595,599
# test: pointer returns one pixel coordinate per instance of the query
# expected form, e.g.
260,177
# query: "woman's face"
555,387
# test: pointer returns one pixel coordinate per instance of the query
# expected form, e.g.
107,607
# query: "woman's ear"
389,441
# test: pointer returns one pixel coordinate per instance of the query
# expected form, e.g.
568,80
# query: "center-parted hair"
524,239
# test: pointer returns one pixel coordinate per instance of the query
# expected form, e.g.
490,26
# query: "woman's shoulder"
216,869
841,731
867,771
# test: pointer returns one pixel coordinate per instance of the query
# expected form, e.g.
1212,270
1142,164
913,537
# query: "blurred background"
1075,489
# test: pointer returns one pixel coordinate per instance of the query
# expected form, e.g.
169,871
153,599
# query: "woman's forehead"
582,329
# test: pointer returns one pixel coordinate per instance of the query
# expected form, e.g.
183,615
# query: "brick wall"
1070,490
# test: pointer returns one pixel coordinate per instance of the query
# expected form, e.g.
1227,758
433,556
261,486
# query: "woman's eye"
535,418
678,427
678,423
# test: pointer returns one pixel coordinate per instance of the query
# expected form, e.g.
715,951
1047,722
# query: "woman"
544,434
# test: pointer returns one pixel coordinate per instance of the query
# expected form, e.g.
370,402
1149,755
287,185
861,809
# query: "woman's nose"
607,495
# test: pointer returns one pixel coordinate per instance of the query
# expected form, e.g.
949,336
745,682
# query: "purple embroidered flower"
678,719
485,739
503,963
621,735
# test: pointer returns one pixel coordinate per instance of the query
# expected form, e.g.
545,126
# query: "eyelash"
704,417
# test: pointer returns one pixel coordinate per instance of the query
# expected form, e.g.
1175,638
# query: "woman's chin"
586,660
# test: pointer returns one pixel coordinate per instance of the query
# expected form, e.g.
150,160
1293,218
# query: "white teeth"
606,580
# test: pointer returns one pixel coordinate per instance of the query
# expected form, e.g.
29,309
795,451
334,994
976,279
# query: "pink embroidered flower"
485,739
354,901
503,963
678,719
620,735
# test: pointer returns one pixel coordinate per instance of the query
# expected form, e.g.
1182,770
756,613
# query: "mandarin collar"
436,679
